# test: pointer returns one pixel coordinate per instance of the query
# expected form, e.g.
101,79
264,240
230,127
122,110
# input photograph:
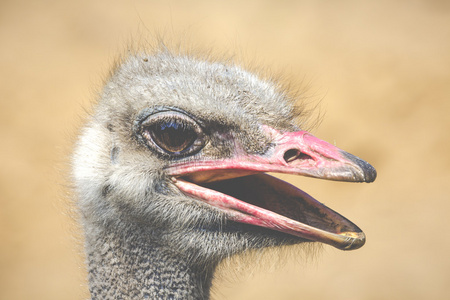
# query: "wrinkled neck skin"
129,264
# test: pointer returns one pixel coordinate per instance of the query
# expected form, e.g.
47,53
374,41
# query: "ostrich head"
179,148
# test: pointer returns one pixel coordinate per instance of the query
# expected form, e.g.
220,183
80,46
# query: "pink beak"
266,201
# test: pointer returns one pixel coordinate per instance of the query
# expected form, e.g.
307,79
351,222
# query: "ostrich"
170,176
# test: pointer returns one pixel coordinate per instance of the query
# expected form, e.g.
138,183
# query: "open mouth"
240,188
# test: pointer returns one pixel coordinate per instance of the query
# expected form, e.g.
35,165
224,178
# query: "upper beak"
297,153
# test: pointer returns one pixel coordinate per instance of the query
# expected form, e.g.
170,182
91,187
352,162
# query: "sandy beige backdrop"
381,69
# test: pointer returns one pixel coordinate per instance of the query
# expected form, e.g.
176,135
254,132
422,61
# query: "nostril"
291,155
295,154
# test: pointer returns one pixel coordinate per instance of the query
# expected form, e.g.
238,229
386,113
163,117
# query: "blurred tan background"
381,70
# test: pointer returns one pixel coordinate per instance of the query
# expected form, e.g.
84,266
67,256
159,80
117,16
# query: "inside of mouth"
272,194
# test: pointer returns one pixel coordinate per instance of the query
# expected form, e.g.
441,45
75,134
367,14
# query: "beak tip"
369,174
355,241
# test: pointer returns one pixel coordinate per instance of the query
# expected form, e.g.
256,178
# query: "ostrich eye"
173,133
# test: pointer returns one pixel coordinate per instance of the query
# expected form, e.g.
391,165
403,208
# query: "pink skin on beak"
293,153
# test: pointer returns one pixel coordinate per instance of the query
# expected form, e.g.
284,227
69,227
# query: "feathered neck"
130,264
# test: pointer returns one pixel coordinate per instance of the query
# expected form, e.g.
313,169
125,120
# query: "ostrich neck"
132,265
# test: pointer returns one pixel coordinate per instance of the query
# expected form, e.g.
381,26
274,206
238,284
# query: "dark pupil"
173,136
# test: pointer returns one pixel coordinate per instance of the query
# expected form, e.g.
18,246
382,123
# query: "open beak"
238,187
